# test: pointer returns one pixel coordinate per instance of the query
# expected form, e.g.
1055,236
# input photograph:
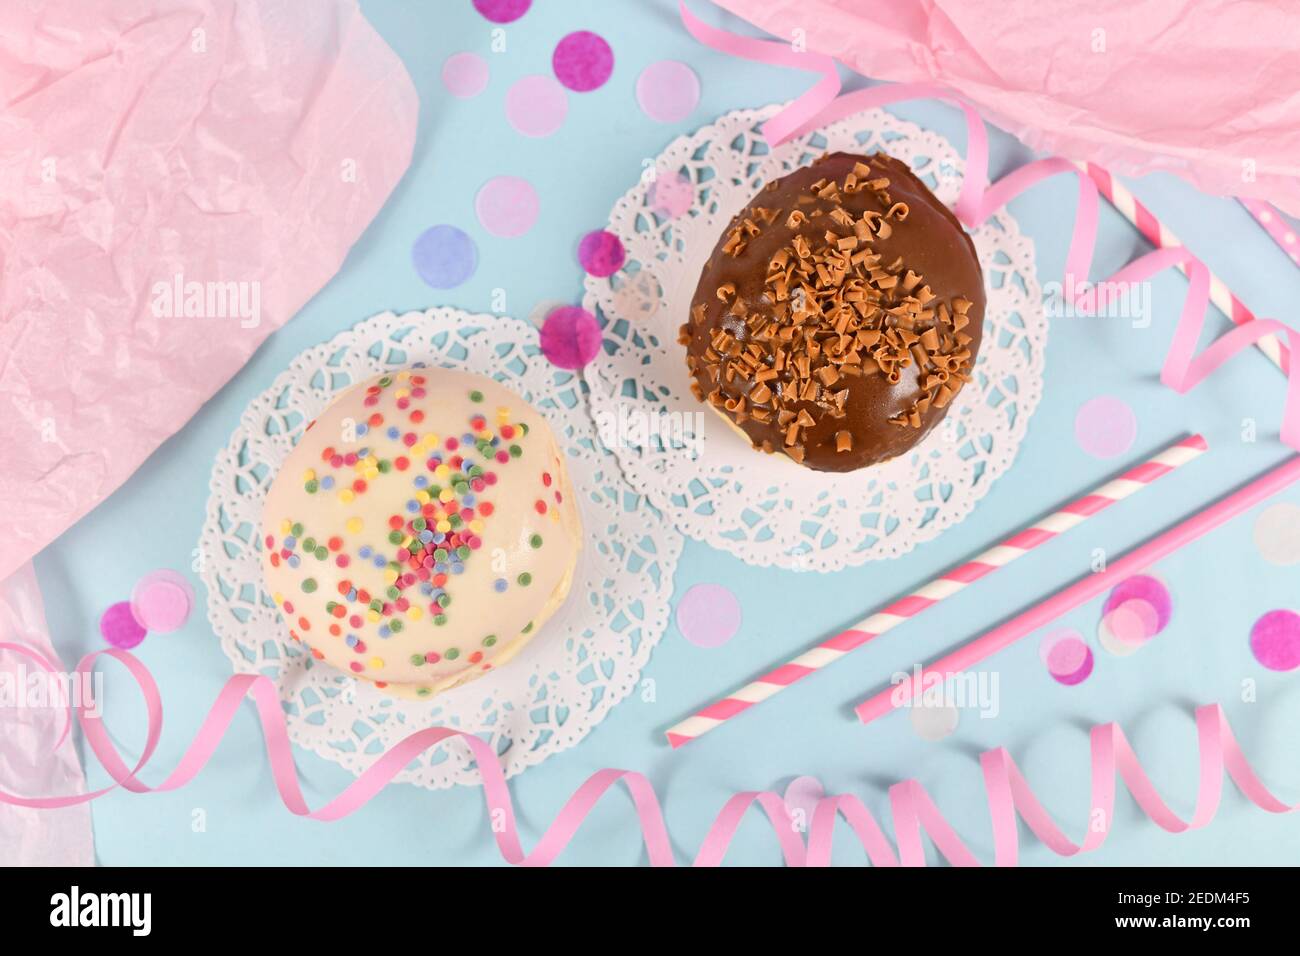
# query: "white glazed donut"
421,531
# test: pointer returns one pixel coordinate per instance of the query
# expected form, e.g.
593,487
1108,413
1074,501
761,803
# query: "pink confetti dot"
801,796
708,615
670,195
502,11
162,601
1067,657
570,337
1142,587
465,74
507,206
536,106
1133,622
582,61
119,626
1105,427
667,91
601,253
1275,640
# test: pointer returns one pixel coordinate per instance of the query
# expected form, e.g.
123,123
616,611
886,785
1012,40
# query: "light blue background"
1220,585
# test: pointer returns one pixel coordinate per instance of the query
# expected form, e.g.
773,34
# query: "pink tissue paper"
1202,88
36,758
177,178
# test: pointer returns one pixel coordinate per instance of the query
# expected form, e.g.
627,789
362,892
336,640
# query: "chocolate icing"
854,320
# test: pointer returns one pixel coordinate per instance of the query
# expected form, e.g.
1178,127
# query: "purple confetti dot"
708,615
582,61
507,206
570,337
1105,427
502,11
667,91
1142,587
119,626
444,256
1275,640
536,106
465,74
601,253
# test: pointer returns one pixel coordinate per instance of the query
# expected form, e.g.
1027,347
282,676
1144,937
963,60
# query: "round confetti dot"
1067,657
502,11
536,105
1275,640
801,796
119,626
1105,427
162,601
667,91
601,253
444,256
570,337
465,74
708,615
1142,587
670,195
507,206
933,721
1277,533
582,61
1133,622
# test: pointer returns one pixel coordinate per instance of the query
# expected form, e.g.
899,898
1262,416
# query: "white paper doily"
764,508
587,657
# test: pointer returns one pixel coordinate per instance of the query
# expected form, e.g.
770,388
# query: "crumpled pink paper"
1207,89
231,150
36,758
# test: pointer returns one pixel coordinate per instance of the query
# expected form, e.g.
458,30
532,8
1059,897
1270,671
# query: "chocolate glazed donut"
839,314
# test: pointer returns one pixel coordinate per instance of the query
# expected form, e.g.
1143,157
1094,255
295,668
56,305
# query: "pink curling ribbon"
1183,368
913,811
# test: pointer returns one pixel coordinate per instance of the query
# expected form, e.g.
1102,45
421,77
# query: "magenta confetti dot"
536,105
601,253
162,601
1275,640
708,615
570,337
507,206
1142,587
669,196
667,91
119,626
582,61
502,11
465,74
1068,658
1105,427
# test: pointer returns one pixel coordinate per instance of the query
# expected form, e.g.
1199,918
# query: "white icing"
483,624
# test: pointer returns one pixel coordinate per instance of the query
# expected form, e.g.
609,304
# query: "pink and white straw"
1162,237
944,586
1267,216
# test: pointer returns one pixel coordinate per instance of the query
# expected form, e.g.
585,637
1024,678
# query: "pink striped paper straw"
1275,225
1160,236
948,584
1086,588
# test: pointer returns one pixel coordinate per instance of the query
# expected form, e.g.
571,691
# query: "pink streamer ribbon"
913,810
1183,368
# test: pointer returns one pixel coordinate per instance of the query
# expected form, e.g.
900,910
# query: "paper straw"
1275,225
833,648
1160,236
1086,588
